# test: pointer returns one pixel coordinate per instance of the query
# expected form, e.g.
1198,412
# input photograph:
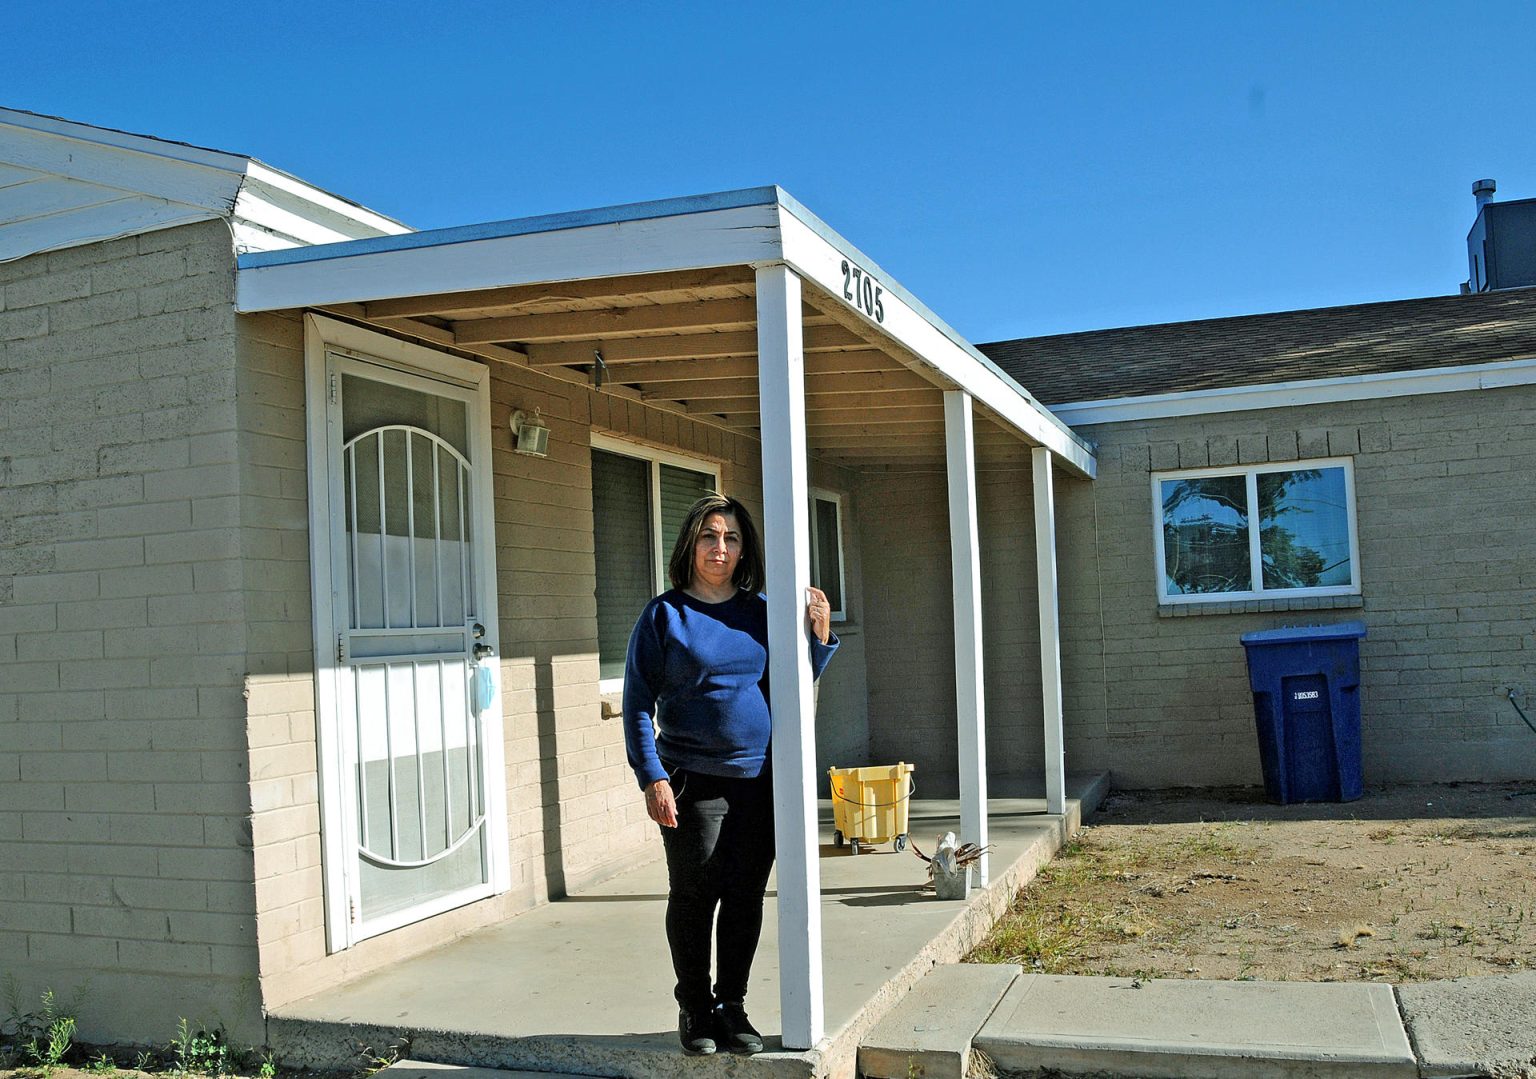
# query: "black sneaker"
735,1031
696,1030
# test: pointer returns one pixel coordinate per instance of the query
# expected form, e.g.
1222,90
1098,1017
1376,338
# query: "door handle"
482,651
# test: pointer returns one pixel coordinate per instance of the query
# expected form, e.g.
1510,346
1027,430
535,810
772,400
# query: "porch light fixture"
530,436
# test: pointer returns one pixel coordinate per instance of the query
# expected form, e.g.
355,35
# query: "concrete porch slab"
929,1033
1198,1029
584,984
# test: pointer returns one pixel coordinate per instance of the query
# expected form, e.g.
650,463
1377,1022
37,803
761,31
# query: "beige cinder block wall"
125,850
1443,500
905,549
159,821
575,815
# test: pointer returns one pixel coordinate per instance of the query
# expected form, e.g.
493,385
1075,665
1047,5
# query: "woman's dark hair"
749,573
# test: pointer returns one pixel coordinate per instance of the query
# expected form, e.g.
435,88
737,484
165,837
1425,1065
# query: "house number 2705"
863,291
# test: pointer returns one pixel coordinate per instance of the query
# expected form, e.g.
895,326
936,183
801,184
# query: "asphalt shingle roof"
1251,350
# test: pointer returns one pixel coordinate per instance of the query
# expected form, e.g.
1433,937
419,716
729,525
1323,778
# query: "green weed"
202,1052
374,1061
101,1064
43,1037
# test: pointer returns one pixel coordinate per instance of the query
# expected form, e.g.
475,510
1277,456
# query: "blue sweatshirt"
701,670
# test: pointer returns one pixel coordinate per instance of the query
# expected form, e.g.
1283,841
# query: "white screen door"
416,724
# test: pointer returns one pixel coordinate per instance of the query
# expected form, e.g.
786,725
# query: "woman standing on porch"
698,666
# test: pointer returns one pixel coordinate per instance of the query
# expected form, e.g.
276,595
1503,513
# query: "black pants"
718,857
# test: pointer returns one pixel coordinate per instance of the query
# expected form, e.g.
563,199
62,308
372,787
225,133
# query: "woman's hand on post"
818,611
660,805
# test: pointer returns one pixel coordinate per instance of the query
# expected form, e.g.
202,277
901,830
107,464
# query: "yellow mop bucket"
869,805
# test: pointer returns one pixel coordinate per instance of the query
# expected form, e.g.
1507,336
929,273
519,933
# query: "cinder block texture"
128,618
1161,696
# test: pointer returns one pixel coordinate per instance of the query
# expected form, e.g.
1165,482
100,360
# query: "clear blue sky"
1024,169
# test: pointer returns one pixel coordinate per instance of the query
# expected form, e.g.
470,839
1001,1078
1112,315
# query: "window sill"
1259,606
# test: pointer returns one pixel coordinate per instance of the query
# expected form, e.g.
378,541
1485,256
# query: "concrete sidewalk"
583,985
1115,1028
1033,1024
1198,1029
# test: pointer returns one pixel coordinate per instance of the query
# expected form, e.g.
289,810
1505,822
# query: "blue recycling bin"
1306,701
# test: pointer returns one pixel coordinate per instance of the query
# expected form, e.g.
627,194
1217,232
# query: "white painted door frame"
323,339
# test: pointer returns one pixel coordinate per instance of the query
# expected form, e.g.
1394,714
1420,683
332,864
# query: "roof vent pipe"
1483,190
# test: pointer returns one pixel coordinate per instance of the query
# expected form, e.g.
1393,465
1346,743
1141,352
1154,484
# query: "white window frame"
841,613
1250,474
661,548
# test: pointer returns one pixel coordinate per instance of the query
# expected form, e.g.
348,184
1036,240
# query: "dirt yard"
1407,884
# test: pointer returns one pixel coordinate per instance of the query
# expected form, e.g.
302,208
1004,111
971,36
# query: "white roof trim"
751,227
120,184
257,172
123,140
1317,391
819,254
491,256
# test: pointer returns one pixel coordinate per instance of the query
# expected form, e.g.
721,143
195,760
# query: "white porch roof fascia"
734,228
749,227
816,251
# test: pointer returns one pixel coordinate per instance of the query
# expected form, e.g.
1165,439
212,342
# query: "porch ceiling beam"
683,346
906,454
928,422
845,439
698,389
921,431
910,418
914,434
615,322
725,395
732,408
893,400
841,363
455,304
437,335
817,365
684,371
425,331
877,399
837,391
868,382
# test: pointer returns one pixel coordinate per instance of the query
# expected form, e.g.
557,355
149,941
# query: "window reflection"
1205,535
1304,528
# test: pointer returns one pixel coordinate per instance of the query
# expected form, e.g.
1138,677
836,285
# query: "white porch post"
965,572
786,542
1050,632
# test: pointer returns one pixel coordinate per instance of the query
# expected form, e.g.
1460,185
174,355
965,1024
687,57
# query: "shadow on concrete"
565,987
